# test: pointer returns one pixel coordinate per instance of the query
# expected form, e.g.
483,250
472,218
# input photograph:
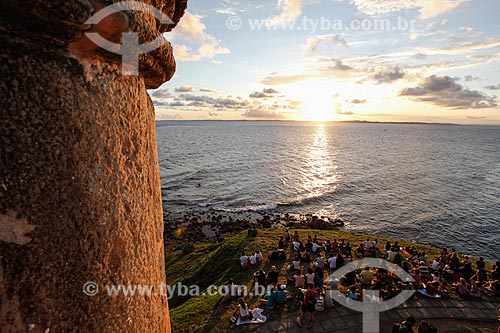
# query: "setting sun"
318,108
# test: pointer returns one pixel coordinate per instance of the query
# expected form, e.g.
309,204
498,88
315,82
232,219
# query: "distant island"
313,121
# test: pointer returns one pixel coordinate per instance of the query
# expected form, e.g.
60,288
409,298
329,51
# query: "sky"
322,60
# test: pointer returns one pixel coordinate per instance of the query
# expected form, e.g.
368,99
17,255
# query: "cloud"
277,79
270,91
262,114
444,91
212,114
469,78
265,93
435,8
161,94
436,24
227,8
185,89
474,117
313,43
207,90
427,9
258,94
465,33
213,102
493,87
192,30
290,10
420,56
339,65
388,74
358,101
339,110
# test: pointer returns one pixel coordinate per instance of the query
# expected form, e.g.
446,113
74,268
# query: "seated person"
258,257
328,246
425,327
315,248
461,287
475,290
281,295
319,262
350,278
310,276
299,279
296,246
435,264
318,280
423,271
296,263
360,252
390,255
335,246
332,261
271,299
354,293
366,276
242,311
368,244
253,259
307,255
494,288
243,260
433,288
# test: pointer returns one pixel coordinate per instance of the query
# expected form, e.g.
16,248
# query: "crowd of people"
312,258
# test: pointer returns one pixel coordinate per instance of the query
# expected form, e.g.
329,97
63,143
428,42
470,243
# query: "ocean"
432,184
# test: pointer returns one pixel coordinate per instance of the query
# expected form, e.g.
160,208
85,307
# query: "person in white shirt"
310,276
253,259
296,245
376,244
368,244
332,261
243,260
259,257
296,263
319,262
315,247
435,265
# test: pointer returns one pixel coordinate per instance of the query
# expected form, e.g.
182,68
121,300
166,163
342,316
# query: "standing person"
480,265
272,276
287,236
308,305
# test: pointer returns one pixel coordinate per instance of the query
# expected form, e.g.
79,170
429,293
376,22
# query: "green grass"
214,264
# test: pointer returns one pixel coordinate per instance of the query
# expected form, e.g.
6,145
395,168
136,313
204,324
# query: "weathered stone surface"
80,196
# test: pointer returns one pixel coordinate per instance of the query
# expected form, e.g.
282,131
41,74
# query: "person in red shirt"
308,303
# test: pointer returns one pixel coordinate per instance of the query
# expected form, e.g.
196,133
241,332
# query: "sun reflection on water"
320,174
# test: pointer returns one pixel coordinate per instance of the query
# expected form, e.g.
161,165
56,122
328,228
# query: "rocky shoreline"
212,225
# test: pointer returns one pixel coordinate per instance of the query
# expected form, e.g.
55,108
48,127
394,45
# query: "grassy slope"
213,264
